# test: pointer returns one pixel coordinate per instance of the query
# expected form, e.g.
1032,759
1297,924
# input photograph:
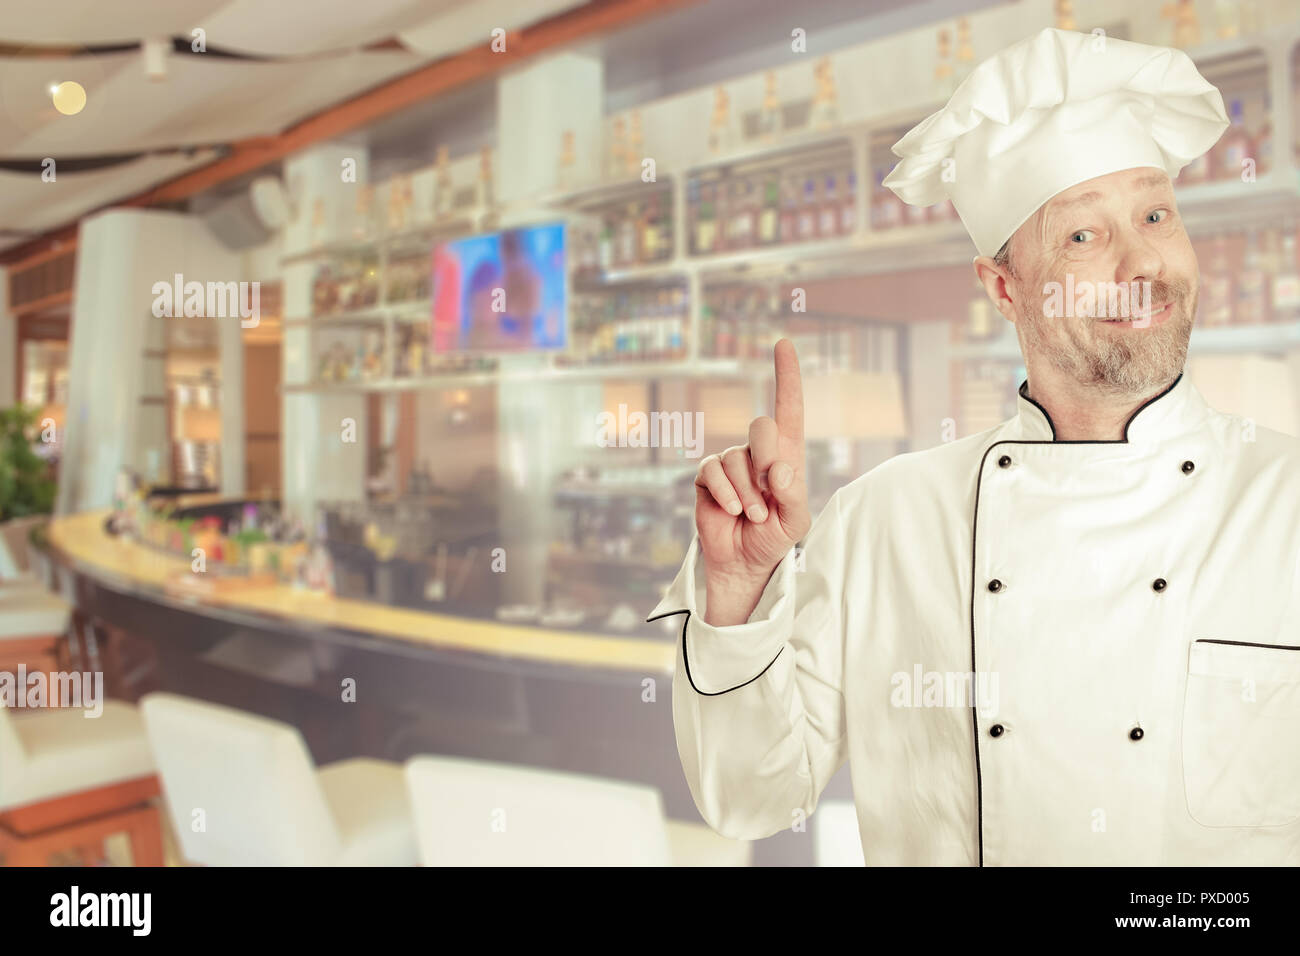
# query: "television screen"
500,292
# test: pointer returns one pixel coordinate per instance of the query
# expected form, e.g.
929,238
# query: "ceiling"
263,67
268,65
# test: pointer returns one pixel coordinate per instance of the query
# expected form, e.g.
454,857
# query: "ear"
997,285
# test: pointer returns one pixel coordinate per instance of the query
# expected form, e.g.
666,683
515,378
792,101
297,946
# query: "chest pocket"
1241,717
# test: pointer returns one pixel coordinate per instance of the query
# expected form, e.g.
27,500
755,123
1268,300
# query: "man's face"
1116,233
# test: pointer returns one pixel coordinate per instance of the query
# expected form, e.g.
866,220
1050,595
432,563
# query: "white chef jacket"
1137,602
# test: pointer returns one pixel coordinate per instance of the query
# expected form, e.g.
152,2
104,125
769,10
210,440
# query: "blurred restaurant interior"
349,551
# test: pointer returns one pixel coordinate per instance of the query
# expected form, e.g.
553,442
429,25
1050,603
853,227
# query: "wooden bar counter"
424,683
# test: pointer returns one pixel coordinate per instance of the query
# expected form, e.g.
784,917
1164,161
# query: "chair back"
477,813
241,789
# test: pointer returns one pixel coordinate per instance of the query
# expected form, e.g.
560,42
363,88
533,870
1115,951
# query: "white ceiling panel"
201,101
30,205
77,22
463,25
296,27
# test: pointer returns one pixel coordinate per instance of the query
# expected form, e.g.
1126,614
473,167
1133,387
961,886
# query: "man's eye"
1082,232
1163,214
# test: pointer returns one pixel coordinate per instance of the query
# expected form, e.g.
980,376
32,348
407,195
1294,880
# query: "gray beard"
1135,362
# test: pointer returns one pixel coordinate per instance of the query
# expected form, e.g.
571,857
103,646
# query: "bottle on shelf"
635,146
769,117
886,207
706,228
1186,24
828,225
651,232
1226,18
965,59
1218,286
789,228
979,315
808,211
617,149
564,171
825,107
484,191
1251,286
442,198
627,238
721,132
769,217
1235,146
605,251
1286,281
849,205
944,78
1264,141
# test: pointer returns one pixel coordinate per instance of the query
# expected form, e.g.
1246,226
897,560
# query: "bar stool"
67,781
480,813
33,623
242,790
837,840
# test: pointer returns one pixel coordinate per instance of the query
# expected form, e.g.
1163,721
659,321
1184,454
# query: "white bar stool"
837,840
480,813
67,781
242,790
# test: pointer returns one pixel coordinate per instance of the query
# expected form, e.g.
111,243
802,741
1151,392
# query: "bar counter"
424,683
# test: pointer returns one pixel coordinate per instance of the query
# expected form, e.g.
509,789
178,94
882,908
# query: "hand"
751,502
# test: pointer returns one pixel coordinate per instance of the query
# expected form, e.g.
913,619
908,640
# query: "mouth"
1145,320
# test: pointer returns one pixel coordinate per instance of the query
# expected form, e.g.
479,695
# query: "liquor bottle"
828,225
886,207
721,132
789,209
484,191
692,212
745,215
651,235
1234,147
605,256
1286,283
1187,26
849,206
1226,16
564,173
1218,286
442,184
1264,141
1250,286
626,251
808,211
979,315
825,108
635,146
944,79
769,220
1199,170
965,60
1064,10
706,229
769,118
617,149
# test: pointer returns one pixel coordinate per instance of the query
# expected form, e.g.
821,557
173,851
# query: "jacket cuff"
722,659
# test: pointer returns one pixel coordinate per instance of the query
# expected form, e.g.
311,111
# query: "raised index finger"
789,392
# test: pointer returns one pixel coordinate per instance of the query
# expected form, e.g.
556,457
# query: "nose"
1140,260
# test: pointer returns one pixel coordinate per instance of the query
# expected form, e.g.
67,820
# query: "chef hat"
1047,113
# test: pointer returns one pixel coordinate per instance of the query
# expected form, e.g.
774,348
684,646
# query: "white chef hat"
1047,113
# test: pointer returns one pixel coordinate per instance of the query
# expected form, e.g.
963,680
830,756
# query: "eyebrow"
1146,182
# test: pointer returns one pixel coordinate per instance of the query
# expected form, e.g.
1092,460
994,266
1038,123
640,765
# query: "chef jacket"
1135,603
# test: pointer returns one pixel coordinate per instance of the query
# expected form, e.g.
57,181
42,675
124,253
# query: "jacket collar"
1178,407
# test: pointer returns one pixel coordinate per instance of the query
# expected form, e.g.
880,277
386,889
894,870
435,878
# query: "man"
1109,581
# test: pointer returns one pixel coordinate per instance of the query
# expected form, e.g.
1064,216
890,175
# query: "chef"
1099,598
